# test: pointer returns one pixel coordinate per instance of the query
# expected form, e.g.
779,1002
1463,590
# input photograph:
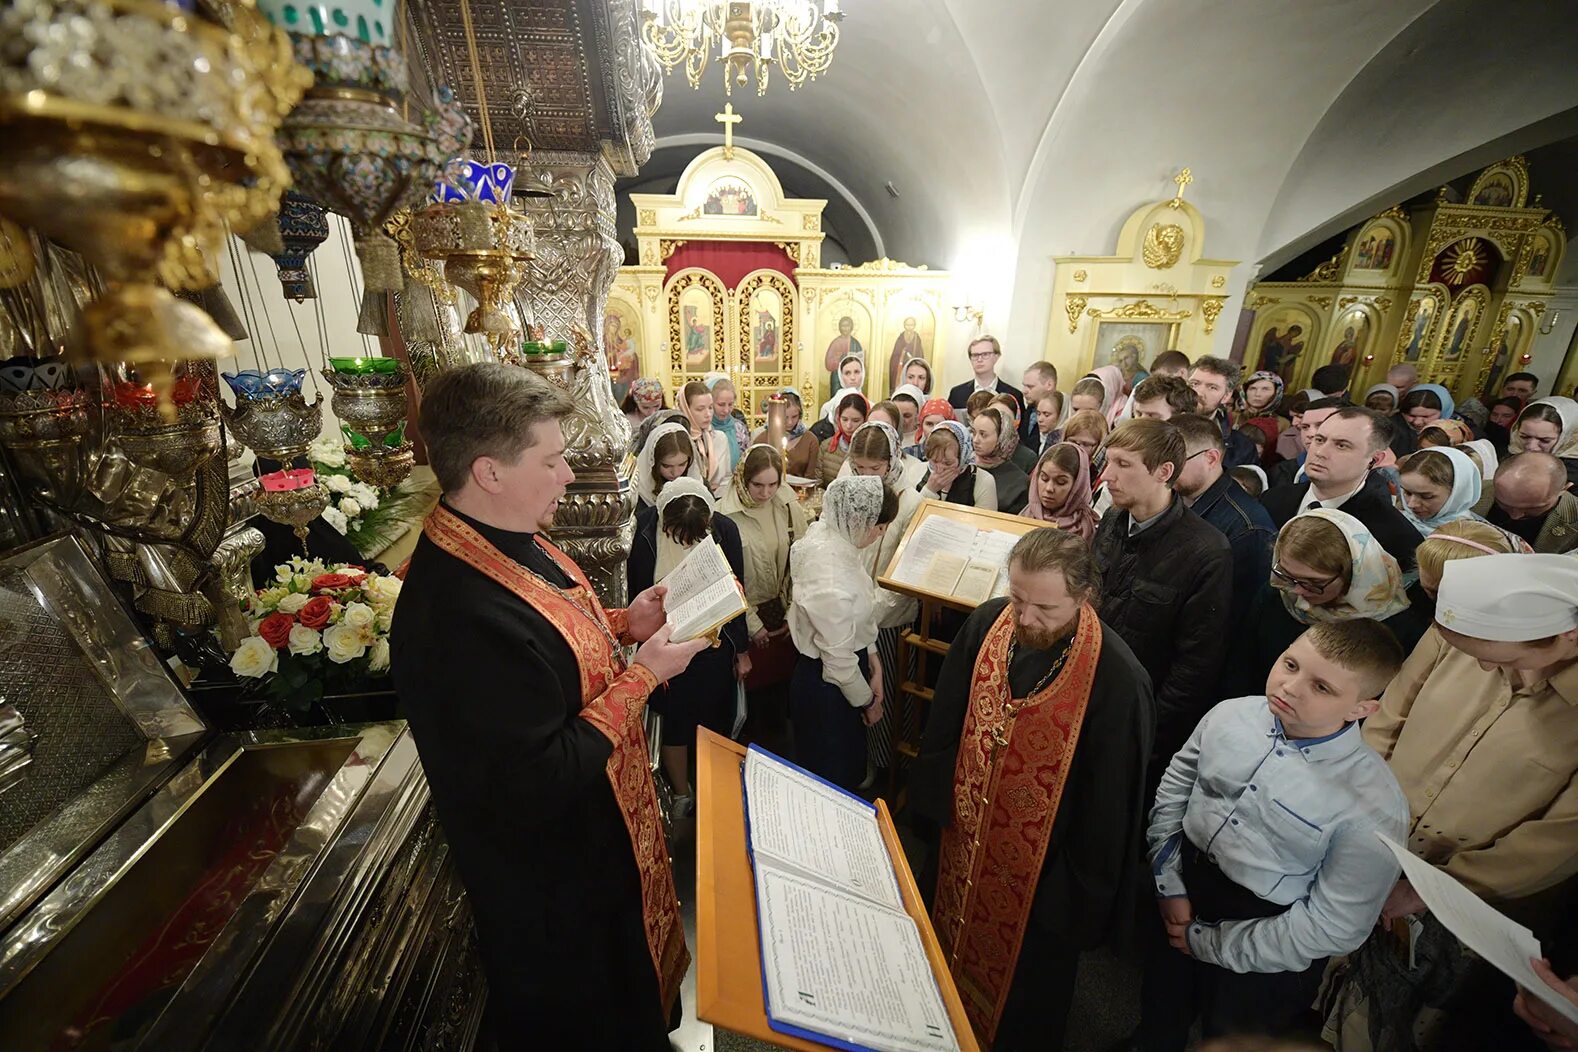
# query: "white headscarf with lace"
646,487
852,506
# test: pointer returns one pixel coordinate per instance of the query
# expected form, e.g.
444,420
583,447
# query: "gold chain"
476,77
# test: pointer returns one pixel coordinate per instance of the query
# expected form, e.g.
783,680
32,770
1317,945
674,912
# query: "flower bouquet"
318,625
367,516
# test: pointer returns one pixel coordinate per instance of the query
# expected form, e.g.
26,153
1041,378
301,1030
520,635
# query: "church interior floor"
1106,996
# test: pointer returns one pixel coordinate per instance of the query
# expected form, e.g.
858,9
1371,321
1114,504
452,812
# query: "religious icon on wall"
1374,251
1539,259
1462,330
913,340
729,197
1496,191
1132,345
766,312
696,329
1354,329
1501,350
619,348
1282,341
1422,319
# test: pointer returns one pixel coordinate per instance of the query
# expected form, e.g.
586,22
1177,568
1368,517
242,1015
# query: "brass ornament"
1163,245
1210,310
483,248
1073,305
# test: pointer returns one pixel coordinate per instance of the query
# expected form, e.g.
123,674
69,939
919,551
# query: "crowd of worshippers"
1402,556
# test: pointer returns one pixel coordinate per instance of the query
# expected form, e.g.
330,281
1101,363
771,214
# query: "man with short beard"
1038,703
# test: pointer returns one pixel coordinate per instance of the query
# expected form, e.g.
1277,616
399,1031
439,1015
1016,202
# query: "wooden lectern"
728,944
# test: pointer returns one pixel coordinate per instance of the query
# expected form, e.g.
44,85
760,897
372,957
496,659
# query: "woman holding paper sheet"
837,686
705,694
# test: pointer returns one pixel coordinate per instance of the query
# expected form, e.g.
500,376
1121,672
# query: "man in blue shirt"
1211,493
1263,842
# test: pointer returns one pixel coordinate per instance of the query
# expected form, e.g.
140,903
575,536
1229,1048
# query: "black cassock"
1086,893
492,691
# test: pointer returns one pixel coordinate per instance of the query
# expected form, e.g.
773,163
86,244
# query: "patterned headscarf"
799,429
1376,587
1276,398
852,506
1466,490
1456,431
1007,437
645,389
742,485
895,470
1075,513
685,486
933,407
966,443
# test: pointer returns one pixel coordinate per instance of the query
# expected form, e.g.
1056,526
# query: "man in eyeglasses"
984,352
1341,451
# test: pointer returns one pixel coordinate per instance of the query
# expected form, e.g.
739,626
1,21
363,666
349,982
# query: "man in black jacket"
1341,451
1214,380
1165,579
984,353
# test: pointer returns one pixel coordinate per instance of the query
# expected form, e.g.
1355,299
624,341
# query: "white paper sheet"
798,821
1488,932
701,593
838,965
934,534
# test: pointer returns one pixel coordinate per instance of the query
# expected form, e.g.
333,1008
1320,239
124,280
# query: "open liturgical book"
953,558
703,595
842,963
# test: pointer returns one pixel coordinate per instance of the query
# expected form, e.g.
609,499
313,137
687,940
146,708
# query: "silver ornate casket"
166,887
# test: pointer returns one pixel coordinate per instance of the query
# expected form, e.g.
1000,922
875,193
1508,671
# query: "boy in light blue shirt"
1263,846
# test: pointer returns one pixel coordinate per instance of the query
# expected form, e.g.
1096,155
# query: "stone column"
570,198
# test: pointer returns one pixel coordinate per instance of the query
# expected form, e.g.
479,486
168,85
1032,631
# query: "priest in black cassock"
529,725
1032,767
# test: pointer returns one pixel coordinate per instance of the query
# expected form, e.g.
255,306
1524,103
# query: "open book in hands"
703,595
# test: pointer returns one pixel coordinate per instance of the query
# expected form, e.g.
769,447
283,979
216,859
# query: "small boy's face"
1314,696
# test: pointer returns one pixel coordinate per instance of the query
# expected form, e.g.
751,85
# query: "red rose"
275,629
328,582
316,613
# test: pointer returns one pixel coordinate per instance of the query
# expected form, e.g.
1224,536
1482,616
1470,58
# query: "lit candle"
288,480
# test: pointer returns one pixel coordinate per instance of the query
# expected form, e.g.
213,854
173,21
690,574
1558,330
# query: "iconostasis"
729,280
1157,292
1455,287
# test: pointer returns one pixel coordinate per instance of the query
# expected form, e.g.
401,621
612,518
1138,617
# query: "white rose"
349,508
336,518
385,619
378,658
292,603
343,643
254,658
338,483
362,618
304,640
383,591
331,453
365,495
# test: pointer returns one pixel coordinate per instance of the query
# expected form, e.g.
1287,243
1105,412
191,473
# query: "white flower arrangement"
360,512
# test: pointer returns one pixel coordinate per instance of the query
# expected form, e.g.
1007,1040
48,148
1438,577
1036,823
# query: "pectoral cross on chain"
728,118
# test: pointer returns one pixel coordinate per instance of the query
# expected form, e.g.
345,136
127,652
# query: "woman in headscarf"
705,694
1426,404
1060,490
918,372
726,420
851,378
875,452
770,520
1112,382
1255,405
848,415
802,451
1549,425
1498,424
951,474
992,431
1022,455
1461,539
1381,398
644,398
1325,566
1440,485
712,449
837,688
667,455
1445,433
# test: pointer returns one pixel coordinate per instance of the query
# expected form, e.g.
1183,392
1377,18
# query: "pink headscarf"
1075,513
1112,406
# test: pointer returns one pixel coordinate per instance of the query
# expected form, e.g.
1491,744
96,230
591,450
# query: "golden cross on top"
1183,179
728,118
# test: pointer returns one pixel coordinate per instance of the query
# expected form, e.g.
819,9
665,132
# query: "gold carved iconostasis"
729,281
1456,288
1157,292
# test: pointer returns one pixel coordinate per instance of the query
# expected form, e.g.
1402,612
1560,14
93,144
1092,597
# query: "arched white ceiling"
1018,131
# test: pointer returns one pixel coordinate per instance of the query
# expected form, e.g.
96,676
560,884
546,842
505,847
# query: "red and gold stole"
1003,810
612,701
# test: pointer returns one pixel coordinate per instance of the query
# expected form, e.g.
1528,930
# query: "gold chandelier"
749,35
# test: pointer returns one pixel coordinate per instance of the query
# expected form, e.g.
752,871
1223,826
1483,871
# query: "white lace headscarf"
852,506
685,486
643,482
895,472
